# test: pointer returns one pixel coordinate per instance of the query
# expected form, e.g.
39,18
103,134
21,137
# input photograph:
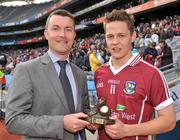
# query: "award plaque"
99,114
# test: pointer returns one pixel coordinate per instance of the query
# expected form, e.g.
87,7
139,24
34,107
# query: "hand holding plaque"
99,114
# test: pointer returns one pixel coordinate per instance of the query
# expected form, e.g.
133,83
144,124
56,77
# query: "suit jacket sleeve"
19,119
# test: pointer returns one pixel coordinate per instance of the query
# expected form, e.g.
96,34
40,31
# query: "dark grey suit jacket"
37,104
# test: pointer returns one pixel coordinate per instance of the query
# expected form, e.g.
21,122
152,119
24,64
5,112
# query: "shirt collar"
134,60
54,57
131,62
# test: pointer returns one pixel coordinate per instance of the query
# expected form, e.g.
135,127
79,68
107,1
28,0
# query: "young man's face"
119,39
60,34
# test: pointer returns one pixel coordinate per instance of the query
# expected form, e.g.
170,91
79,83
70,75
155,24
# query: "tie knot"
62,63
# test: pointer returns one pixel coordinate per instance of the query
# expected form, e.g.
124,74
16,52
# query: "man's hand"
117,130
73,123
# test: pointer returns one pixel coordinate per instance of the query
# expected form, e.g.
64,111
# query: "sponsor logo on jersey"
123,115
120,107
127,116
99,85
114,113
129,87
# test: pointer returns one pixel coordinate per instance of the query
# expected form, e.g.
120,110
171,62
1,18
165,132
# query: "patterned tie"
66,86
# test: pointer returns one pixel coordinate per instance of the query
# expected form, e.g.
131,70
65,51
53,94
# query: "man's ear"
46,34
133,36
74,35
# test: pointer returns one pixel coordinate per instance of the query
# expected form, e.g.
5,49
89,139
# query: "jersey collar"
131,62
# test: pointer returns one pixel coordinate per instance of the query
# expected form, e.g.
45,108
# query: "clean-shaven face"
119,39
60,34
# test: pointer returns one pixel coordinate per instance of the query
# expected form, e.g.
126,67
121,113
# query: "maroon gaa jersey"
132,92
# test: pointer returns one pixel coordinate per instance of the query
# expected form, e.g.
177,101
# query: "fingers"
80,115
73,123
93,126
115,131
114,117
82,122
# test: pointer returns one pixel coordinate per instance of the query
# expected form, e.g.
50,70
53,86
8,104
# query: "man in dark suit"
37,106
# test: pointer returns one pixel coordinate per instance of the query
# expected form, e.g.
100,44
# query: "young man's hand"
117,130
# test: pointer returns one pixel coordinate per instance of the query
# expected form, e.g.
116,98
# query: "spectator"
151,54
139,43
94,62
87,66
165,54
78,59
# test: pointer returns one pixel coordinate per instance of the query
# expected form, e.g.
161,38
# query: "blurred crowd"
89,53
104,11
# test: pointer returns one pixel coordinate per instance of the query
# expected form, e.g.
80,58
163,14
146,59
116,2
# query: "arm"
165,122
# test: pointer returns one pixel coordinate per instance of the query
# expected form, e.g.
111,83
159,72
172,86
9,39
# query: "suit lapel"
52,76
79,90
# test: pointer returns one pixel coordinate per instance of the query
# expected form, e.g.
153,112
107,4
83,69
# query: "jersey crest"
129,87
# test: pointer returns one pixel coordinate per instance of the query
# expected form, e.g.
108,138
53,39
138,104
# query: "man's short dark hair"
60,12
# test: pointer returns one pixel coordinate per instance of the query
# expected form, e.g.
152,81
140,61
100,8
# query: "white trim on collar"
131,62
135,60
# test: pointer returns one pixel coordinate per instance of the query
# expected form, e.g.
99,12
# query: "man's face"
119,39
60,34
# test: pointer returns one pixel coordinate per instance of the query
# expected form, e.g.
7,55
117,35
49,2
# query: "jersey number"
112,89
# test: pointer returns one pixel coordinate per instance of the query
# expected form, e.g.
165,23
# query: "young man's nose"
115,40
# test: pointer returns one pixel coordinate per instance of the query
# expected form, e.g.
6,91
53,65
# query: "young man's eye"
121,35
109,36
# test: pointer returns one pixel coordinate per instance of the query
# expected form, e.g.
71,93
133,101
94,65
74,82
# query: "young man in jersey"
133,89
